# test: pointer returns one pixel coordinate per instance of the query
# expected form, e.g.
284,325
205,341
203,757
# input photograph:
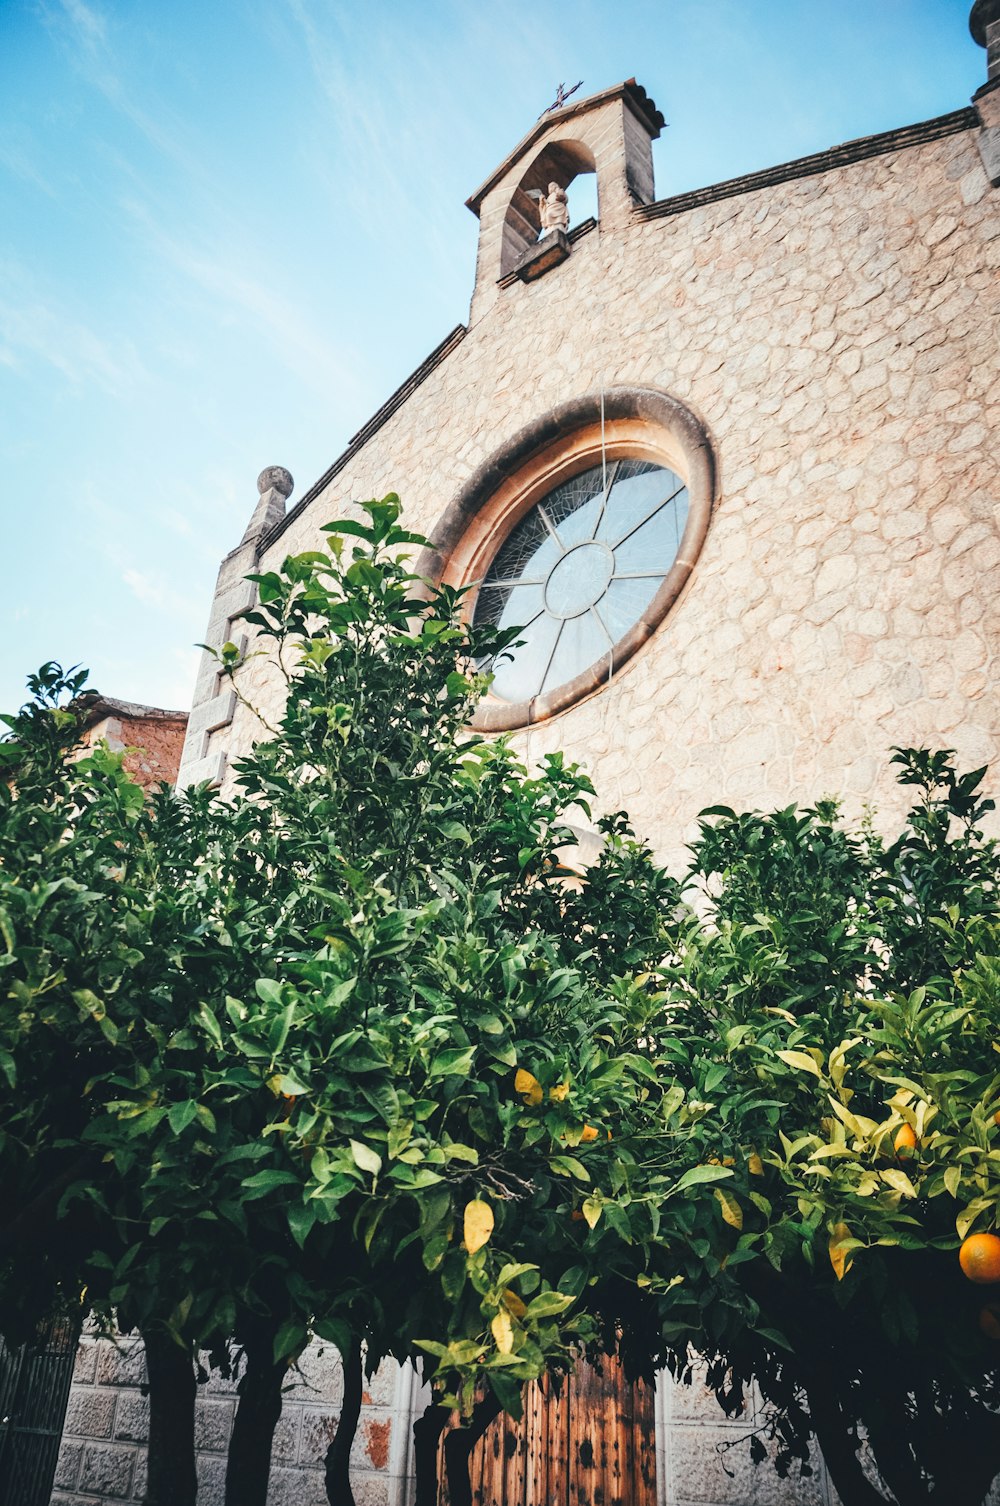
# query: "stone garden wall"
702,1457
103,1454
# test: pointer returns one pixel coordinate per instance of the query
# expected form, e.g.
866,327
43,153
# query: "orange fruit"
589,1134
996,1117
906,1139
989,1320
979,1258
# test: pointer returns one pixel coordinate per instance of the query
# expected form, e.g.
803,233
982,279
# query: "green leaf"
209,1024
335,1330
290,1340
365,1158
263,1182
549,1305
569,1166
301,1219
456,1061
697,1175
800,1060
181,1115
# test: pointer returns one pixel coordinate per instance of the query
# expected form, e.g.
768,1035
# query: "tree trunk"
338,1455
248,1466
837,1443
458,1446
427,1432
172,1480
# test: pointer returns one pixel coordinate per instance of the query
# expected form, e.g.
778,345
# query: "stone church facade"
811,352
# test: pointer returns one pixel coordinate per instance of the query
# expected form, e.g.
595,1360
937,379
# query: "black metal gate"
34,1390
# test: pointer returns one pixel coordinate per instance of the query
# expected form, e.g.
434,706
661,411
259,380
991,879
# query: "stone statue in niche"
553,209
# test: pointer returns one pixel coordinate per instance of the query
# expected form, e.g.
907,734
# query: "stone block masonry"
103,1453
702,1457
837,333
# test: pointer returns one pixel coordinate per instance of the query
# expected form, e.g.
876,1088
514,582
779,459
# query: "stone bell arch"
610,134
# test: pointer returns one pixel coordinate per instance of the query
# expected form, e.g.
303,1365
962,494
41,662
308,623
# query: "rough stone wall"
837,334
154,742
103,1453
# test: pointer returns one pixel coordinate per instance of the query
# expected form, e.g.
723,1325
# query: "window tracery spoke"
648,518
548,665
604,626
543,514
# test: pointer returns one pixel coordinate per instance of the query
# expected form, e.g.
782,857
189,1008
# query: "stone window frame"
638,423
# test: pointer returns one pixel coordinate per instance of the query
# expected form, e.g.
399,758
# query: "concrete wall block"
697,1403
317,1429
68,1465
381,1386
804,1490
212,714
297,1487
132,1417
706,1466
370,1490
107,1471
85,1363
90,1413
372,1443
232,599
121,1362
141,1474
196,771
213,1423
240,562
320,1376
217,1383
285,1445
211,1480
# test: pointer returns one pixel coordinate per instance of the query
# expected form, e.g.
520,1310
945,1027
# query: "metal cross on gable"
562,95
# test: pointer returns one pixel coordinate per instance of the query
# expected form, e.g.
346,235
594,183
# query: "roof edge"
361,438
100,706
819,162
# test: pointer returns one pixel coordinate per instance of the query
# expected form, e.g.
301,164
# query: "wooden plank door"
586,1440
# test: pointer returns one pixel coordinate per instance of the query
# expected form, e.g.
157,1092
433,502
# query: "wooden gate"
590,1441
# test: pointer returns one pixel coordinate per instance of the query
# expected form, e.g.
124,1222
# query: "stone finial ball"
275,476
984,12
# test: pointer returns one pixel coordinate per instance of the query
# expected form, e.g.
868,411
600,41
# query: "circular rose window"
579,571
581,530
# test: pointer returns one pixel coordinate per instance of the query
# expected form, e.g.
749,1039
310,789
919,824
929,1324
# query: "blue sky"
229,228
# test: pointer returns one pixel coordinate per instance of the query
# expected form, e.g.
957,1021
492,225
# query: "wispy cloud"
18,154
219,268
158,592
85,34
36,326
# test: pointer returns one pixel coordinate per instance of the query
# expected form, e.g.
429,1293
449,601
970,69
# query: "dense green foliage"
355,1053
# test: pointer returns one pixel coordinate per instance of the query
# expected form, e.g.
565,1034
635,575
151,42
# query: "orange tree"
346,1054
829,1036
263,1055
